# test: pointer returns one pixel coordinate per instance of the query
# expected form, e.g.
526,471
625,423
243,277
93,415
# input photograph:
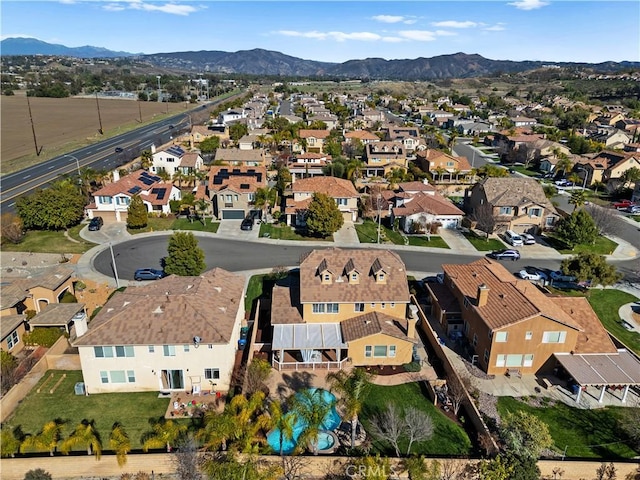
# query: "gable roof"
331,186
50,279
593,338
150,187
372,324
237,155
306,133
170,311
434,204
514,191
240,178
362,135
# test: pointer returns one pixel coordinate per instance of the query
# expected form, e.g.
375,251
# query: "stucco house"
346,307
302,190
307,165
174,159
236,156
608,167
112,201
313,139
363,136
442,166
382,157
232,190
177,333
517,204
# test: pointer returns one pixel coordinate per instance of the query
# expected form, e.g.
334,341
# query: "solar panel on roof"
161,193
154,178
154,191
244,186
145,173
146,180
224,170
217,180
134,190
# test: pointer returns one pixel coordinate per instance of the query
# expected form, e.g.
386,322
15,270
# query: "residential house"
382,157
612,138
347,307
174,334
465,126
523,121
363,136
232,190
509,324
239,157
328,118
230,116
607,118
441,165
13,327
608,167
341,190
635,195
175,159
199,133
514,203
314,139
409,137
307,165
112,201
420,209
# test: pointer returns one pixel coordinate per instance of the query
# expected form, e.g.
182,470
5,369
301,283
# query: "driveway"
231,229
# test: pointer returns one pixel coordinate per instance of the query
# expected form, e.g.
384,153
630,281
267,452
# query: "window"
367,351
124,351
535,212
186,348
554,337
528,335
152,349
169,350
228,198
341,201
379,350
104,377
486,356
318,308
383,305
210,346
326,277
505,210
393,304
528,360
381,277
514,360
13,339
123,200
392,351
549,221
358,307
354,277
501,360
501,337
450,164
332,308
105,200
103,352
131,376
212,373
475,339
251,197
117,376
373,305
467,304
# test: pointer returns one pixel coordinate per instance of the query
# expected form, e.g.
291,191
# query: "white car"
528,239
561,277
533,274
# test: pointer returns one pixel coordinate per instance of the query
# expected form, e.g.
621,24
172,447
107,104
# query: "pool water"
325,441
330,422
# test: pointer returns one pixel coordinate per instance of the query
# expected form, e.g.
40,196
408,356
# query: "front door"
172,379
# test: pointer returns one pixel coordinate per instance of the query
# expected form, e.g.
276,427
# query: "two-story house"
302,190
382,157
608,167
112,201
442,166
517,204
313,139
232,190
175,159
346,306
236,156
177,333
307,165
408,136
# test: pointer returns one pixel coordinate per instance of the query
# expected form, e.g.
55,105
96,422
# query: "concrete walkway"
457,241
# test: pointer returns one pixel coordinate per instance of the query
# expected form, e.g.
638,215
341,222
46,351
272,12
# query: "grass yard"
434,242
448,438
584,433
254,290
284,232
196,225
46,241
602,246
132,410
606,303
482,244
524,170
368,233
636,217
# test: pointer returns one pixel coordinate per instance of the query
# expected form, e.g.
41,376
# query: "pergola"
308,338
602,370
58,315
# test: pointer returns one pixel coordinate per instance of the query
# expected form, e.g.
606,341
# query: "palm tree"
163,433
312,409
163,174
218,430
632,175
84,435
597,184
146,159
578,198
10,442
46,439
178,177
119,442
564,164
352,388
249,420
283,421
574,178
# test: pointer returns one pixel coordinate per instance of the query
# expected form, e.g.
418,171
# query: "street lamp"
584,181
159,89
379,214
77,162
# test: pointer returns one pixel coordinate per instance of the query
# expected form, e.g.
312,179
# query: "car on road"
119,149
95,224
632,209
505,254
532,273
528,239
557,275
621,204
148,274
247,224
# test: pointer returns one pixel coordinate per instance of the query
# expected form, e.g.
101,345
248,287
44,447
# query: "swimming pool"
330,422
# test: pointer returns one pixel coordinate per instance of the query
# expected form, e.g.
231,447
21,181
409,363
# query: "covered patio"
308,346
614,373
62,315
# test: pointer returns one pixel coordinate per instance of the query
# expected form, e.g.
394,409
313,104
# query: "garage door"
449,222
232,214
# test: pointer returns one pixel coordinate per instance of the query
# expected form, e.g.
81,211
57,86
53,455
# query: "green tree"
47,439
184,257
550,191
55,208
283,178
578,228
164,433
495,469
524,434
146,159
284,422
578,198
137,216
210,144
257,373
37,474
9,442
590,266
8,364
630,176
228,466
218,430
564,163
85,435
237,131
323,216
312,409
352,388
120,443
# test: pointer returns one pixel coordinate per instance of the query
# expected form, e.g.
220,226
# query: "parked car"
561,277
533,274
505,254
148,274
622,204
563,183
95,224
632,209
247,224
528,239
119,149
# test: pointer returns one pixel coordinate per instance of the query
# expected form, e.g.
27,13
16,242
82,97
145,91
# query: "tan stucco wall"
19,346
404,350
40,293
346,310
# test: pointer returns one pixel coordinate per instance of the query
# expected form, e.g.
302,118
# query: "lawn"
46,241
368,233
482,244
636,217
434,242
132,410
254,290
448,438
156,224
606,303
584,433
284,232
602,246
524,170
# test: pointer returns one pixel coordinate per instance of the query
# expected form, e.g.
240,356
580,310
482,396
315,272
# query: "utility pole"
115,269
33,128
379,214
99,118
159,89
139,111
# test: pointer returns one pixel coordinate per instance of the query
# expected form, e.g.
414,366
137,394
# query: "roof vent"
127,303
158,309
218,289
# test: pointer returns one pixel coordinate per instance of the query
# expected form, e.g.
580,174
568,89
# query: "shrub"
37,474
412,367
44,337
68,297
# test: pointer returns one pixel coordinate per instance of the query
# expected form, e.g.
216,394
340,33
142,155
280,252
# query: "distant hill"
267,62
33,46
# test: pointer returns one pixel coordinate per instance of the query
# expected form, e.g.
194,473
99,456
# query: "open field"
64,124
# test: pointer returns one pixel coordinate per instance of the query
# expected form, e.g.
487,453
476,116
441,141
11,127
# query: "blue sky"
336,31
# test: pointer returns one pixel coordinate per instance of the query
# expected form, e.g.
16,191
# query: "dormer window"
354,277
326,277
380,278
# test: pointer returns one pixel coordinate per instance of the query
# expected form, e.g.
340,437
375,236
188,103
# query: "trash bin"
79,388
244,332
242,343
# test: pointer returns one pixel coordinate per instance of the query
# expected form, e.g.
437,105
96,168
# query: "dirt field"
63,124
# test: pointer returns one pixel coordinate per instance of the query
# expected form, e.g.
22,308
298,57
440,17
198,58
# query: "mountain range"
267,62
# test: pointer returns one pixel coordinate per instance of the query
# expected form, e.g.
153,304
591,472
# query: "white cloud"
337,36
418,35
170,8
528,4
498,27
455,24
394,19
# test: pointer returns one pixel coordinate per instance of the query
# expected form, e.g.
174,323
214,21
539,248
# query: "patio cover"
56,315
622,368
301,336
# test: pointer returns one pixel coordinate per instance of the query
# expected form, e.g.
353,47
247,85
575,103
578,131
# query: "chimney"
153,148
412,321
116,175
483,295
